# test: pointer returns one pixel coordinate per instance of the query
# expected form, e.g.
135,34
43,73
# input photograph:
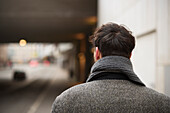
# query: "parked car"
19,75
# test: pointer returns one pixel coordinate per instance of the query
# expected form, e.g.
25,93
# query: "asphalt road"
34,95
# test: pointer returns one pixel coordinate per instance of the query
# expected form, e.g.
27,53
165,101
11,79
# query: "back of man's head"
113,39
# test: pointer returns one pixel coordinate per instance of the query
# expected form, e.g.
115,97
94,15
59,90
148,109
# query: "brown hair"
113,39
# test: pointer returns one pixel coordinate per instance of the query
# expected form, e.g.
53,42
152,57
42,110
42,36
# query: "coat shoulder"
157,97
67,98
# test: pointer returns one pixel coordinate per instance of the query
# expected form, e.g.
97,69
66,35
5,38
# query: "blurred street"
35,94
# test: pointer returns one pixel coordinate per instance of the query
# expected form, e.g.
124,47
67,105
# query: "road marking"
41,97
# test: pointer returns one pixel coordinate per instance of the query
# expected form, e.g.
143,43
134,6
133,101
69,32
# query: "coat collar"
114,64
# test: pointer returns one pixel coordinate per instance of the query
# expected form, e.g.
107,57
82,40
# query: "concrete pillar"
163,40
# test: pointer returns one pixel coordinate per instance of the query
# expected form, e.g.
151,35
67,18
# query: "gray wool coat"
111,95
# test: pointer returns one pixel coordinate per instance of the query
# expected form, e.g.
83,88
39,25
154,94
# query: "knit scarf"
115,64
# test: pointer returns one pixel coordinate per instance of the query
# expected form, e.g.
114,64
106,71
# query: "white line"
40,98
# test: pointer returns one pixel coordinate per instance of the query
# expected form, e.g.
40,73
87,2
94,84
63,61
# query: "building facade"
149,20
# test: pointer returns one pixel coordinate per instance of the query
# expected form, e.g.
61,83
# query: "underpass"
51,32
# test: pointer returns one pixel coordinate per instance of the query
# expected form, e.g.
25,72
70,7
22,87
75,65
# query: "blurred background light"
80,36
22,42
91,20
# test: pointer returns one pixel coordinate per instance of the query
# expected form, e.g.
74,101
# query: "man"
112,86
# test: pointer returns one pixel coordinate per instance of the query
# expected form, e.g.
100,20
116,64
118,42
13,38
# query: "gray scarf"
115,64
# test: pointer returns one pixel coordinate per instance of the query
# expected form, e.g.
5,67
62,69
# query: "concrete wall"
149,20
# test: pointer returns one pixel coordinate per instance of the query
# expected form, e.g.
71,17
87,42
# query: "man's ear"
98,54
130,55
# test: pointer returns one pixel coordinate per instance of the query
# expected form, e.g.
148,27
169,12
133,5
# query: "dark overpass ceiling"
45,20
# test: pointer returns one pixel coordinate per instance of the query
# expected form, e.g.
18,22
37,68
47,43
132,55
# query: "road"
34,95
